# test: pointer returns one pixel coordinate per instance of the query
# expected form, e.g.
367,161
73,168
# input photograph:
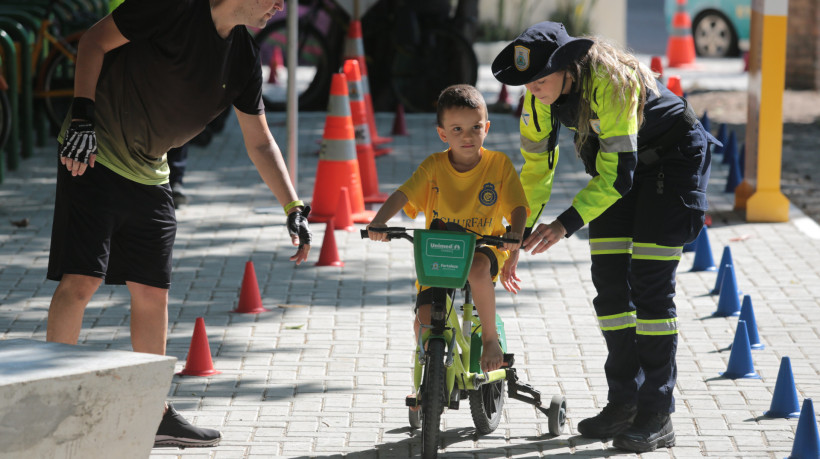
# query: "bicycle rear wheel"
56,87
434,397
419,74
313,73
486,405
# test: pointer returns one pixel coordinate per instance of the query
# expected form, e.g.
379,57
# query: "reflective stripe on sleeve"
657,327
619,143
617,321
610,245
533,146
645,251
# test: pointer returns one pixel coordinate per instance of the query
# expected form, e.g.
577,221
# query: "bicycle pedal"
509,360
412,401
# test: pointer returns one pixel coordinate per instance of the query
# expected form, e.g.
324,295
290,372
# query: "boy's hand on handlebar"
512,245
544,236
374,236
509,278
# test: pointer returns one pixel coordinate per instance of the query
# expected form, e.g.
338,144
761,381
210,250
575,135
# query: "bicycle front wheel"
418,75
486,404
434,396
314,66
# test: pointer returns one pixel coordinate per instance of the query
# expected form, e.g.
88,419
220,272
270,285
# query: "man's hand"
300,234
509,278
544,236
512,245
79,147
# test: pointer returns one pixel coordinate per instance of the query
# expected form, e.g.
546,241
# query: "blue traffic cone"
784,400
729,300
806,438
725,259
721,136
740,360
730,149
735,175
704,120
703,253
747,315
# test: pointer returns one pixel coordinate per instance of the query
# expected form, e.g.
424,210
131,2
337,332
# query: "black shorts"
425,296
113,228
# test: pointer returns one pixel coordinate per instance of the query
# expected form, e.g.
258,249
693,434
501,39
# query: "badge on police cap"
522,58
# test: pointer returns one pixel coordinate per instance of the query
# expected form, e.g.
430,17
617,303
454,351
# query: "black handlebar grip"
364,234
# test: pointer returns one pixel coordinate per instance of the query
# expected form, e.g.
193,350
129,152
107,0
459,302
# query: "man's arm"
266,156
80,142
101,38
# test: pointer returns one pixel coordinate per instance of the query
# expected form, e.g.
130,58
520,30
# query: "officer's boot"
648,432
613,419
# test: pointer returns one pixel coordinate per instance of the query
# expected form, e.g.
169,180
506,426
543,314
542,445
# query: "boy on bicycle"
471,187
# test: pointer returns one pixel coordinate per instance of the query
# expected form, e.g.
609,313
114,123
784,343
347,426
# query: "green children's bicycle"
448,353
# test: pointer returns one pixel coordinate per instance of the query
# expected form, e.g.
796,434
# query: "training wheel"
557,414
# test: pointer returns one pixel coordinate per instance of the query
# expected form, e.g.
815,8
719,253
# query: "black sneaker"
174,430
613,419
649,432
178,193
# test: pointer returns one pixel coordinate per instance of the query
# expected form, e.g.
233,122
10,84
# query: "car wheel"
714,35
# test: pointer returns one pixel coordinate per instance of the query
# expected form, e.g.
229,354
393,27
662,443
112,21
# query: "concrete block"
61,401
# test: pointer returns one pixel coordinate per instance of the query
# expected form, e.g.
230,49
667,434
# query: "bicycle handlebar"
401,232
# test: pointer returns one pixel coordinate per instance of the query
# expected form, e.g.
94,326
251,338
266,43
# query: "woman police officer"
649,160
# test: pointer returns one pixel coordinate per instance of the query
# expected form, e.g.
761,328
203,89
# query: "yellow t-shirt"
477,199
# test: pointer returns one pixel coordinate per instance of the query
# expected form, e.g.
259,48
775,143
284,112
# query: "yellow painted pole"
766,203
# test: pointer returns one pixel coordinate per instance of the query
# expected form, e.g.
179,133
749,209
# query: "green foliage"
575,15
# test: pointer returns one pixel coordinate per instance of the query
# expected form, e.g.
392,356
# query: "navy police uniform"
646,198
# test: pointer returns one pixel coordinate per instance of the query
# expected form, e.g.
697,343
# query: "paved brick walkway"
325,372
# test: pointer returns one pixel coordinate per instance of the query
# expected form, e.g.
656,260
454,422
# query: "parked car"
720,28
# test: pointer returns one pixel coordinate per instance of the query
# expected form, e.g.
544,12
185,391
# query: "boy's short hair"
459,96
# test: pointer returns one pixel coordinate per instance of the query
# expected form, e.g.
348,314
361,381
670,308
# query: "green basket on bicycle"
443,258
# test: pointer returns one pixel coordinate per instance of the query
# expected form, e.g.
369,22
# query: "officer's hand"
509,278
544,236
376,236
79,147
300,234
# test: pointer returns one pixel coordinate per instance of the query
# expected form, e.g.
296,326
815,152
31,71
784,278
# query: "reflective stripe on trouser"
634,259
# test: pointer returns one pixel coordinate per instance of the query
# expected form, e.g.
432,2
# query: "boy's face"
464,129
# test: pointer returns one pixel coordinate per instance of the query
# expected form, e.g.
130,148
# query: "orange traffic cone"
329,256
354,49
276,61
250,302
198,362
674,85
656,65
338,165
343,219
364,148
680,49
399,124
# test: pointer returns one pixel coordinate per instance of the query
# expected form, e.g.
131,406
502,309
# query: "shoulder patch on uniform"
595,125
